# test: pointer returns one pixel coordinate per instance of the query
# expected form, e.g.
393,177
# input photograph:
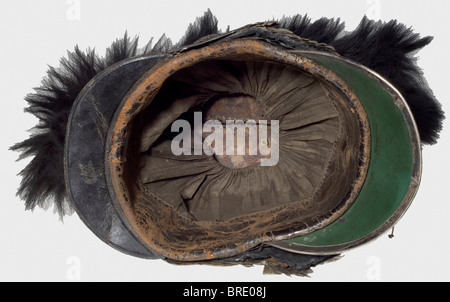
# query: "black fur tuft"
323,30
164,44
203,26
43,178
389,49
121,49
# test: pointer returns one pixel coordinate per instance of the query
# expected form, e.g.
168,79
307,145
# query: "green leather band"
392,162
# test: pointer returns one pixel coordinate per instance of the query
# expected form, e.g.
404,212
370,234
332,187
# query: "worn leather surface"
85,150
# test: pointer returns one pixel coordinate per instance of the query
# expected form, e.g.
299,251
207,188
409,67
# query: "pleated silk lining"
201,188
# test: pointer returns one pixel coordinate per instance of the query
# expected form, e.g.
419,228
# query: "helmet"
316,147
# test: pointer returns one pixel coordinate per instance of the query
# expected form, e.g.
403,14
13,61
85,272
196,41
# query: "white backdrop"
38,247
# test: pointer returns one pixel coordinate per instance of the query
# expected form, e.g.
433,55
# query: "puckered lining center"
202,187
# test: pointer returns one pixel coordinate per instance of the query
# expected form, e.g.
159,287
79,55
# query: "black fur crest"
387,48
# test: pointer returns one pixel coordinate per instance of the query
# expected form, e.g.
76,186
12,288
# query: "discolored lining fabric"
201,187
